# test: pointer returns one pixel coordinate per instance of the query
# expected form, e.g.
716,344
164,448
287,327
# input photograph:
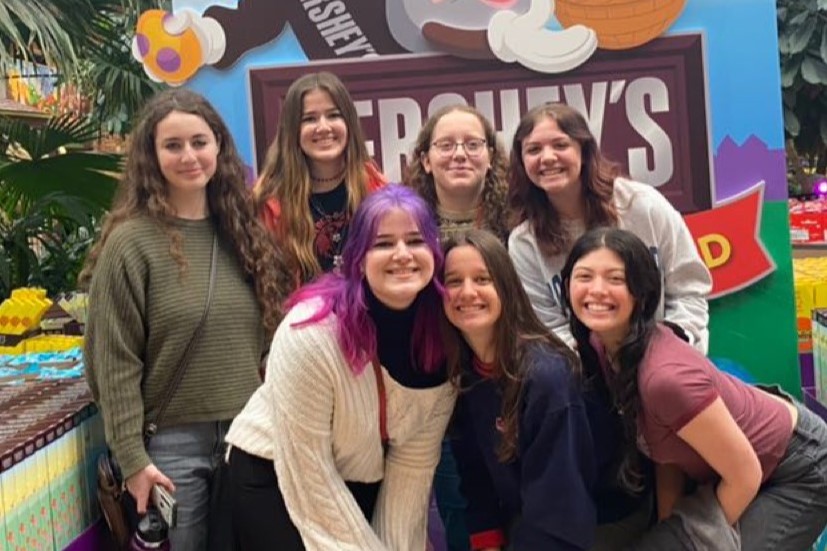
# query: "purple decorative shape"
168,60
808,378
813,404
143,44
738,168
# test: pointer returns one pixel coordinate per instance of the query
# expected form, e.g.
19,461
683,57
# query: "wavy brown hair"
494,198
144,192
597,175
286,175
515,332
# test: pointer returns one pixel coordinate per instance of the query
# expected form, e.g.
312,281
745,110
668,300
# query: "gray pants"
790,510
189,455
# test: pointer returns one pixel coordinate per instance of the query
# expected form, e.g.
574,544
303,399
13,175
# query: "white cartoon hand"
525,39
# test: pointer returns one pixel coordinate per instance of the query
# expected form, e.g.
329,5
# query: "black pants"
259,514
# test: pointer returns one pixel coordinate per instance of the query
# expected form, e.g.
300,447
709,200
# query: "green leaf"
823,48
789,70
799,18
813,70
801,35
791,124
88,176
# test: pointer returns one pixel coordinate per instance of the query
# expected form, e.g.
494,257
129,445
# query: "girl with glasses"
458,166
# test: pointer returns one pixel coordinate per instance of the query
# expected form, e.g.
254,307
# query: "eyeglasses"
472,148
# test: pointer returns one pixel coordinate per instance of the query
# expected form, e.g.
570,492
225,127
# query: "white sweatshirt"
646,213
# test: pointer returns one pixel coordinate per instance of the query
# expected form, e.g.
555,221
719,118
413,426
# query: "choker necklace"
335,178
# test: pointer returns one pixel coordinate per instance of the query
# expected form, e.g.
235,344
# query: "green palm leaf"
34,167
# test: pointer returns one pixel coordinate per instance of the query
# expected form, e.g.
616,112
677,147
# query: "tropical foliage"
802,42
52,193
88,43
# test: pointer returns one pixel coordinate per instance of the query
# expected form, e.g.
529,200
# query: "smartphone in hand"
166,505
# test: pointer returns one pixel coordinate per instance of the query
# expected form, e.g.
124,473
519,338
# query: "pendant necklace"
338,237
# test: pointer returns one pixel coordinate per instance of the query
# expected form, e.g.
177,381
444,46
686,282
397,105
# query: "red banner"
728,241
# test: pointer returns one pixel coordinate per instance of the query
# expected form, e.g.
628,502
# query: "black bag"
117,505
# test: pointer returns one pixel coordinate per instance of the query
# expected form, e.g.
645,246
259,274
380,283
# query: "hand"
140,485
524,38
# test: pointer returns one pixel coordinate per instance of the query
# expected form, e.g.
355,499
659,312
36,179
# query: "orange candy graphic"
621,24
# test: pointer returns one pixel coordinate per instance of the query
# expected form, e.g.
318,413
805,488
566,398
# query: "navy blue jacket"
543,498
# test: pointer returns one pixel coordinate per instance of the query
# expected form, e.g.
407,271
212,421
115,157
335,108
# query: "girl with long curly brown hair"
562,185
316,173
182,203
459,167
521,434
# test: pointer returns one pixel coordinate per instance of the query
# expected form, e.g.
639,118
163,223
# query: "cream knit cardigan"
319,423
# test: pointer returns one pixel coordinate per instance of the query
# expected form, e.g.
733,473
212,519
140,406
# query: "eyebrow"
179,138
390,235
313,112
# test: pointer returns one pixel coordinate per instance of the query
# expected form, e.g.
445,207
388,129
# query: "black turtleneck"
394,343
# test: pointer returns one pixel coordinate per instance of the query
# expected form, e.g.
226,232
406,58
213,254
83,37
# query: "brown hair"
143,191
494,197
286,176
528,202
516,329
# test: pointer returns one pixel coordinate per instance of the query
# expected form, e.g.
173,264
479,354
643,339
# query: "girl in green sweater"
182,199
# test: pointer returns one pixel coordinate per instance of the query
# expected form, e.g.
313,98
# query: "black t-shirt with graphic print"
330,222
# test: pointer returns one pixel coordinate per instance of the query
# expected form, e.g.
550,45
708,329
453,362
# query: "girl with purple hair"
337,449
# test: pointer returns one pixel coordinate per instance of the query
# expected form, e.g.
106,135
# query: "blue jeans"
450,502
790,510
189,455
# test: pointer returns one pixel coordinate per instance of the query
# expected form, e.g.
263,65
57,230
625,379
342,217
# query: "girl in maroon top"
757,458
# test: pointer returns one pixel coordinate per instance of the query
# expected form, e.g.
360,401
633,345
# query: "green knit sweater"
142,314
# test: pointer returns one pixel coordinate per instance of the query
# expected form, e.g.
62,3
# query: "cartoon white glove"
523,38
173,46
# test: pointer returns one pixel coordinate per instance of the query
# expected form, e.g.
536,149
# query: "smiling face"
553,162
472,304
187,150
399,263
458,170
600,297
323,134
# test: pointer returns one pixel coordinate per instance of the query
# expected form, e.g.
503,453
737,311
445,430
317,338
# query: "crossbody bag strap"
383,405
151,428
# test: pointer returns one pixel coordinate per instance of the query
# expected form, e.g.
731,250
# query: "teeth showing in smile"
471,308
599,307
551,171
